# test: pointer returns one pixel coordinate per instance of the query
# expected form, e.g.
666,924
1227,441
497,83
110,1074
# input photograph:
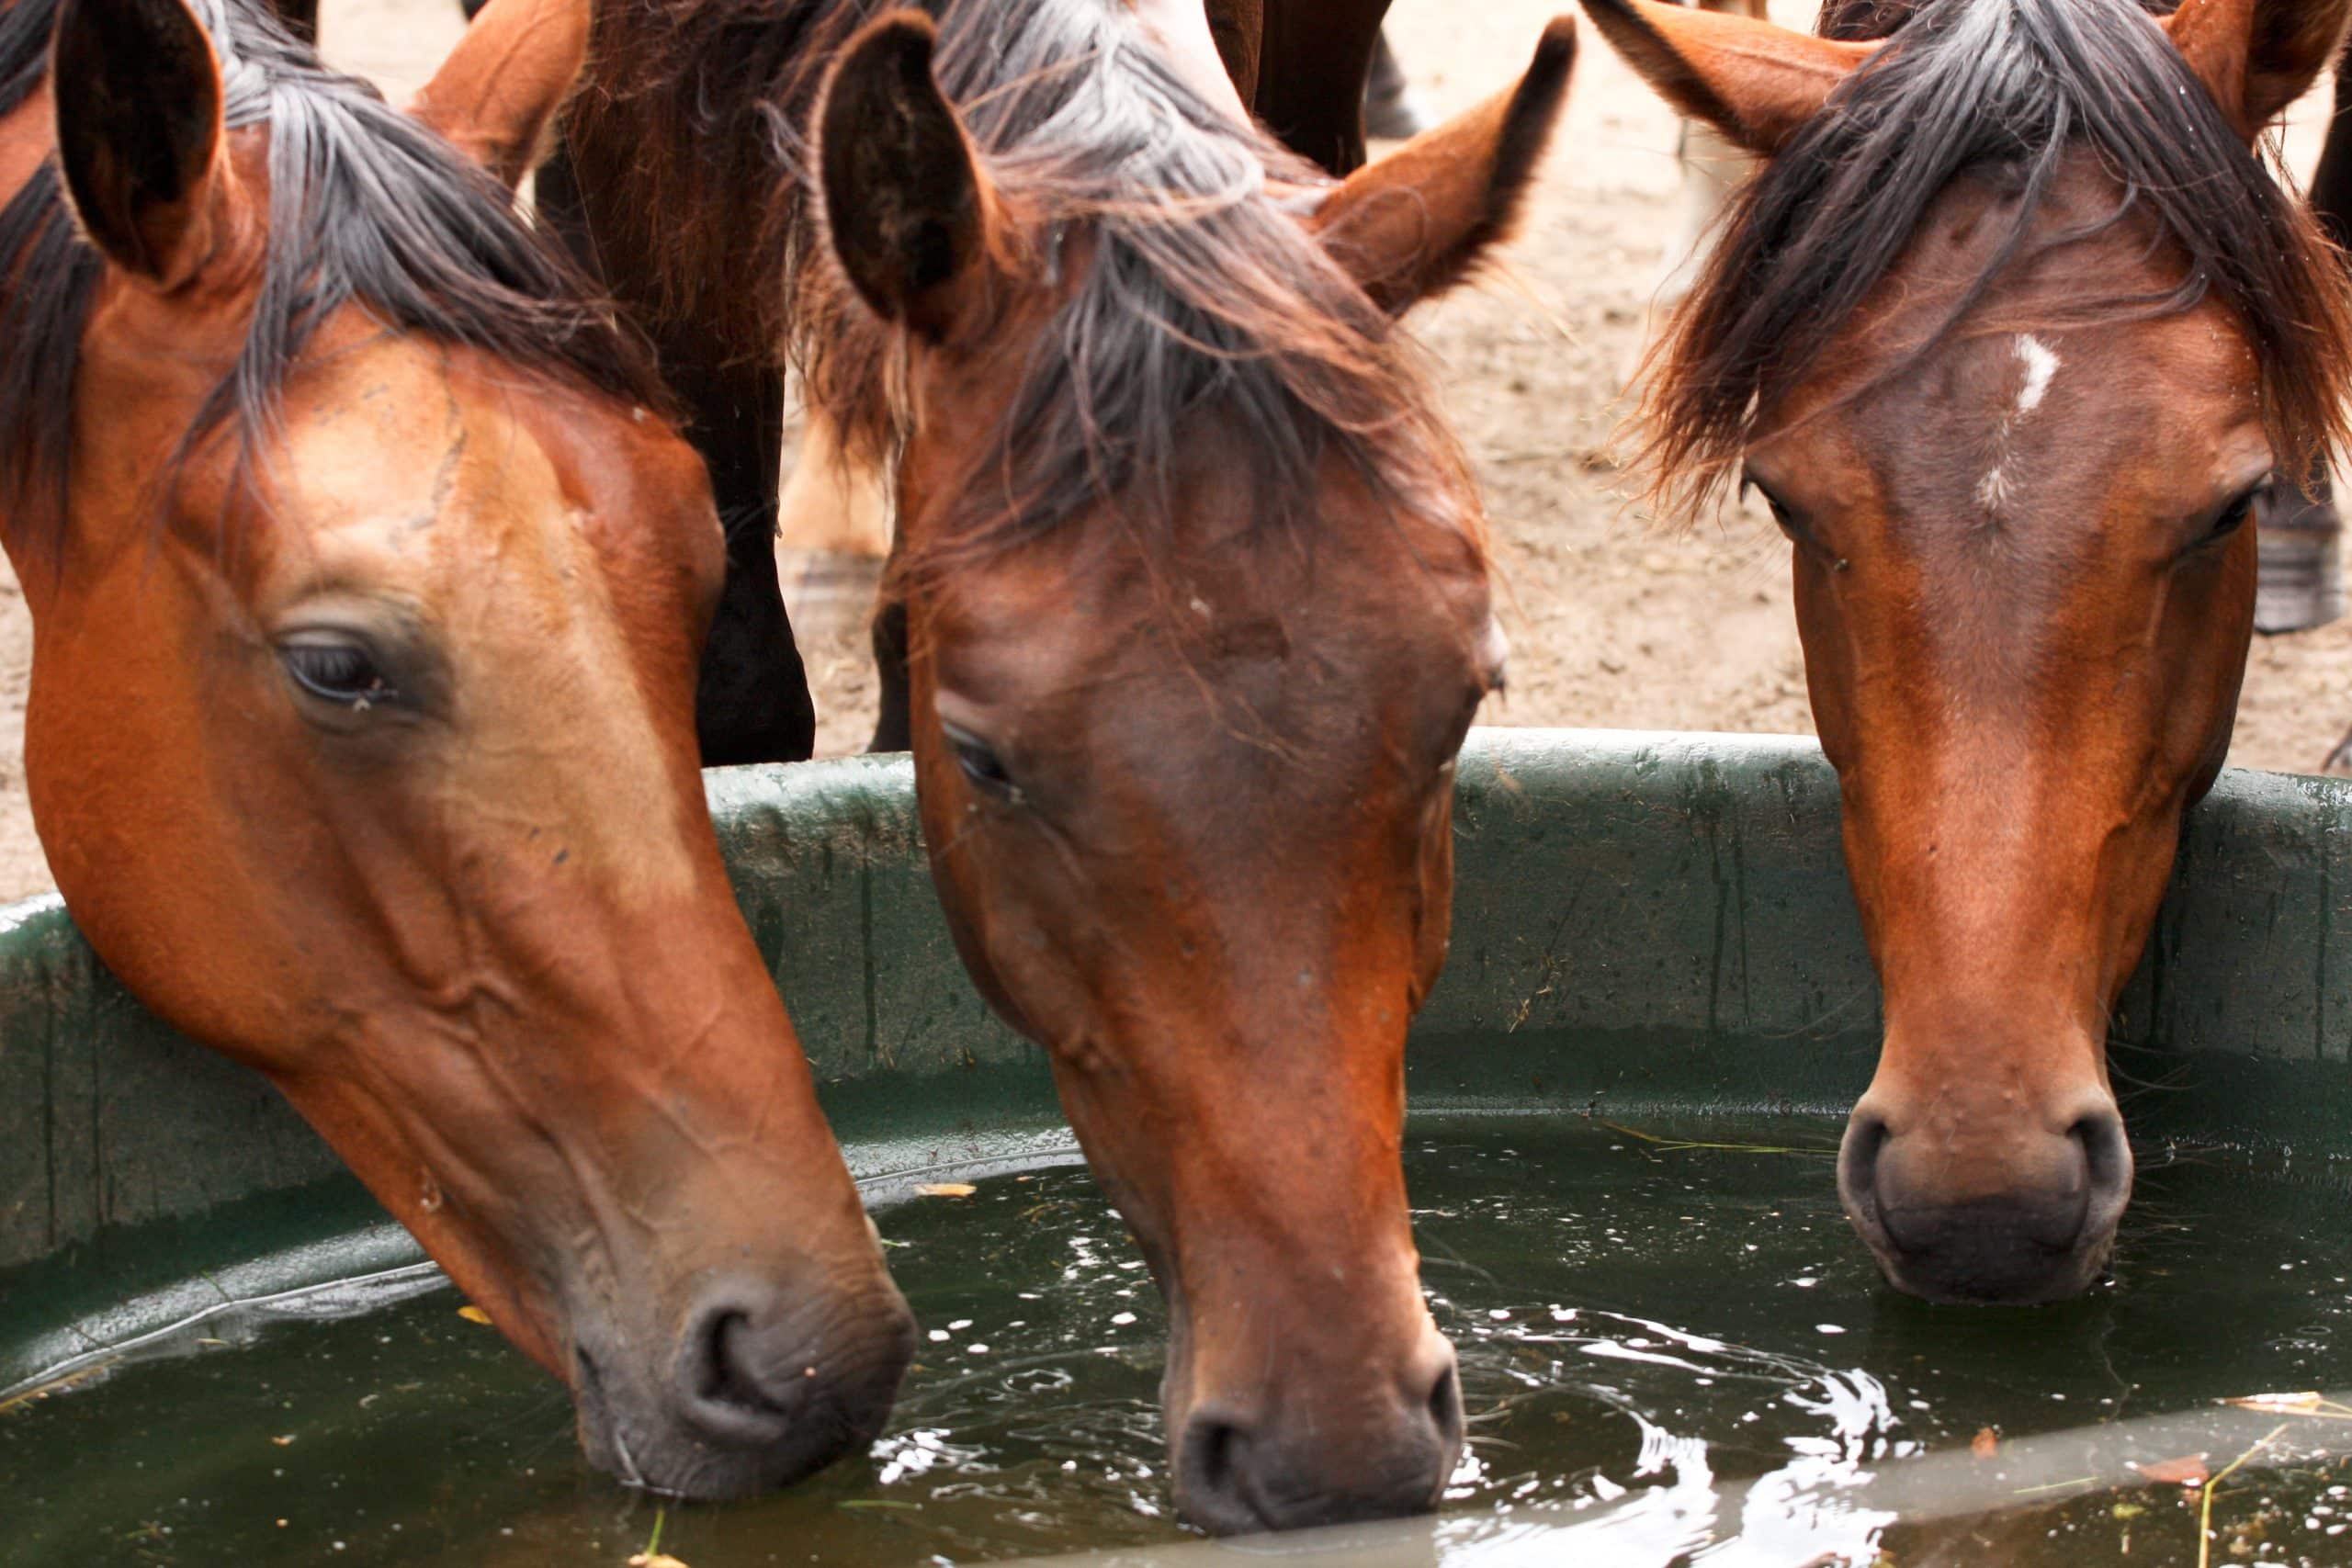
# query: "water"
1681,1351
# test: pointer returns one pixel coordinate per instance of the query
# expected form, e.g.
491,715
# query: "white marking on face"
1993,492
2041,366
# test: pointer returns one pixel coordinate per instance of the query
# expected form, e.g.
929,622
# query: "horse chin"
2003,1275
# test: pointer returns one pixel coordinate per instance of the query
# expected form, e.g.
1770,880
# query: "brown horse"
2012,331
1193,605
366,588
1301,65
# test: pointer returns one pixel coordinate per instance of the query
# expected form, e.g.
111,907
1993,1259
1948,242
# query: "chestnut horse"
2012,331
367,587
1190,608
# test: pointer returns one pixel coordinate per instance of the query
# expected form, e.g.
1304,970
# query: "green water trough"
1651,924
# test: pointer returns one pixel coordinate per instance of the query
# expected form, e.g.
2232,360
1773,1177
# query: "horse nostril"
1858,1155
1445,1409
1209,1470
2107,1162
722,1373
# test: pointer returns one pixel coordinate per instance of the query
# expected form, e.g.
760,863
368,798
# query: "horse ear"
139,133
2258,56
912,218
1756,82
1412,225
498,93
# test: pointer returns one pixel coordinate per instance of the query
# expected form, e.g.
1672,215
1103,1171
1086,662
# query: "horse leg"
2302,578
834,499
893,726
562,210
2338,764
1711,170
2331,183
1238,27
833,525
1311,75
1389,111
753,704
2299,548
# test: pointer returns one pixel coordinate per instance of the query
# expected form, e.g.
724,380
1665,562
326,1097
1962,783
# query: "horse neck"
669,138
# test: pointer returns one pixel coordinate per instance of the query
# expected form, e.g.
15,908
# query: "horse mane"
1864,21
2010,88
1203,298
1861,21
367,208
24,50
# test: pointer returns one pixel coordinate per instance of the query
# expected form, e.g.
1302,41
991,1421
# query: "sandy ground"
1613,621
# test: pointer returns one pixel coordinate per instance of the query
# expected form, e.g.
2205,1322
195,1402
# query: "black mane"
2010,89
367,208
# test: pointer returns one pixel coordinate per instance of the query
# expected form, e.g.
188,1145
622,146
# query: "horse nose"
771,1395
2007,1214
1302,1464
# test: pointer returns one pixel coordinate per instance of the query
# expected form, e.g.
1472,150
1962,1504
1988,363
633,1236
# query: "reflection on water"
1671,1354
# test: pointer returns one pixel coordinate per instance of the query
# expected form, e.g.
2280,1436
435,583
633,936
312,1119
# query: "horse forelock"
367,208
1206,309
1202,294
2010,89
1862,21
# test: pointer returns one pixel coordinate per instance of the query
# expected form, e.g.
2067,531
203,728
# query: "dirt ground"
1612,621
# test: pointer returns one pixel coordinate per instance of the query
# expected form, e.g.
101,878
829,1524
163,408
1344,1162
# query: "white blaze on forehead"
2040,361
1993,492
2042,365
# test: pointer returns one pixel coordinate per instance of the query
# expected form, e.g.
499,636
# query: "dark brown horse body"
2013,331
1300,66
1190,607
366,584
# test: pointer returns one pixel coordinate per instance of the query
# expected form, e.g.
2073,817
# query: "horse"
1189,612
1301,65
2298,527
366,581
2012,331
1302,68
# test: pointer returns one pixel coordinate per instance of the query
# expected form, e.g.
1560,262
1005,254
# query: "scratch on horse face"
2041,364
445,478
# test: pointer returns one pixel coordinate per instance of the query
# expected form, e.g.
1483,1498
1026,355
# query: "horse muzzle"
757,1392
2012,1215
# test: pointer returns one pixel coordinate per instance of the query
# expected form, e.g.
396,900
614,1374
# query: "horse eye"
980,765
337,671
1781,515
2239,512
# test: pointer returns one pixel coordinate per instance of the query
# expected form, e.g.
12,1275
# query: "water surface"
1680,1347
